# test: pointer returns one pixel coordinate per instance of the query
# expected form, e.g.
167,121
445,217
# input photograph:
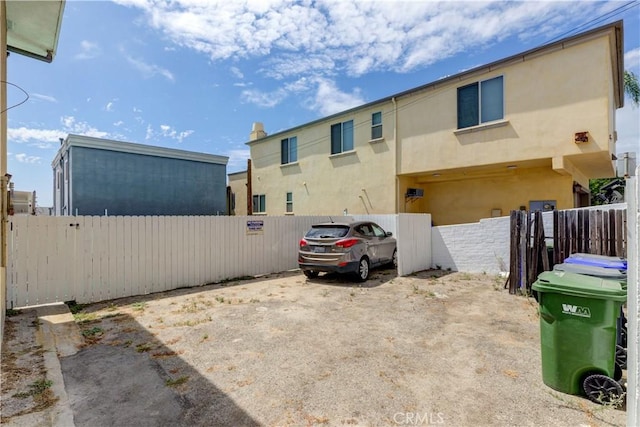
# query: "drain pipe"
397,151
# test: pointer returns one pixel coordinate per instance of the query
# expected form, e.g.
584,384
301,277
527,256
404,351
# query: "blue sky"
195,75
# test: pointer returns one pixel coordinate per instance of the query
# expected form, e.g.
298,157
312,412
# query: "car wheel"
311,274
363,270
394,259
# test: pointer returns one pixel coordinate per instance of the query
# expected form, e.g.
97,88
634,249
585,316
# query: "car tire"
394,259
363,269
311,274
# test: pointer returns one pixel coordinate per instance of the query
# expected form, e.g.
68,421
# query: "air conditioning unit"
415,192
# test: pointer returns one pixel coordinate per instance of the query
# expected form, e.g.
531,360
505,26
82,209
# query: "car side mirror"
389,234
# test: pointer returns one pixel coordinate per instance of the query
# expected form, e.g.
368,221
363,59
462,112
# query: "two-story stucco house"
95,176
528,131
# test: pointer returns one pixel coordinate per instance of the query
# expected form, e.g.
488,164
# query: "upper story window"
480,102
259,203
342,137
289,150
376,125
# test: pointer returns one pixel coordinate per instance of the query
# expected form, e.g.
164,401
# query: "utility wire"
19,103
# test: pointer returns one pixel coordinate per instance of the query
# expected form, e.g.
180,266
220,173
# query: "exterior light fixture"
581,137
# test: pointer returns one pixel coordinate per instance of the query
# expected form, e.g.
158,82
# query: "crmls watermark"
418,418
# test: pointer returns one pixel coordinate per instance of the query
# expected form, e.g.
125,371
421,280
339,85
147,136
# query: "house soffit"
33,27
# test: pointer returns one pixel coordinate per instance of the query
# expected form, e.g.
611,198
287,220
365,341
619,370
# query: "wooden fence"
601,232
91,258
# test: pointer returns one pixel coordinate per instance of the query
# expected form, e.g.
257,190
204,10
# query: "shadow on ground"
134,379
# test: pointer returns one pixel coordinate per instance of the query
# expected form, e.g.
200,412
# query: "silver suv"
346,247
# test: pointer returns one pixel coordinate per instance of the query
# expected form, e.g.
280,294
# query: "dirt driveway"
436,348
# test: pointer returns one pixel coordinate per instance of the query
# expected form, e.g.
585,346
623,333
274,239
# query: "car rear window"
328,231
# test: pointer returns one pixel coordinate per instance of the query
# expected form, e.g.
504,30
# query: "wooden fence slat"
621,234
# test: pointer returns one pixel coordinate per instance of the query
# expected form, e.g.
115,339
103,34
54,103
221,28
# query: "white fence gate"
91,258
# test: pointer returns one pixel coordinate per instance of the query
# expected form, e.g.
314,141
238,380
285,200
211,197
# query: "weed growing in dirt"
84,317
143,348
139,306
35,389
11,312
92,333
418,291
177,381
74,307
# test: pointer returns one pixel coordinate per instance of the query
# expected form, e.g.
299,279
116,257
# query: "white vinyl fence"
91,258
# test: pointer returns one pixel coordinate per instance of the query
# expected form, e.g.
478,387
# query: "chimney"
257,131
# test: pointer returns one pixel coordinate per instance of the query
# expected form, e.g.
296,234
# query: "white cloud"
25,158
118,123
43,97
330,100
149,133
137,110
23,134
71,125
150,70
166,131
236,72
109,106
628,128
318,40
632,60
88,50
263,99
237,159
357,36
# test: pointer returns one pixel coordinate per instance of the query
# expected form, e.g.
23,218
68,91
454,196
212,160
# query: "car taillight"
346,243
303,243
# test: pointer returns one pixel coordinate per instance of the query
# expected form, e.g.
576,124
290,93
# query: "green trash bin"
578,320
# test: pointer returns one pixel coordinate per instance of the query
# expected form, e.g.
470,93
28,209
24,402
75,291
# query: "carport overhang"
495,170
33,27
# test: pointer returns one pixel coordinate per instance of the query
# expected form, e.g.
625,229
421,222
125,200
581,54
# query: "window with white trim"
376,125
342,137
289,203
259,203
480,102
289,150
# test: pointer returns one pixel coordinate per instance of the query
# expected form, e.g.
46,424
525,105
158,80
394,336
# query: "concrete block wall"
483,246
474,248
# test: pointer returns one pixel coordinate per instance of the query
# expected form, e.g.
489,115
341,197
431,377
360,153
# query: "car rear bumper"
349,267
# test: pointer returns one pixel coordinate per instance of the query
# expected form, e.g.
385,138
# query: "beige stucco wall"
238,184
464,201
548,98
360,181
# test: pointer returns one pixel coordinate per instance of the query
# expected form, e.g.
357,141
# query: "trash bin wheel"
617,372
621,356
602,389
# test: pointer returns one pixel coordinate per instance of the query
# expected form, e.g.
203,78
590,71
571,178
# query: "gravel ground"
435,348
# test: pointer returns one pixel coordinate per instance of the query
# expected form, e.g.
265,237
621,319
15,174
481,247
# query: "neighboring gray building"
94,176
